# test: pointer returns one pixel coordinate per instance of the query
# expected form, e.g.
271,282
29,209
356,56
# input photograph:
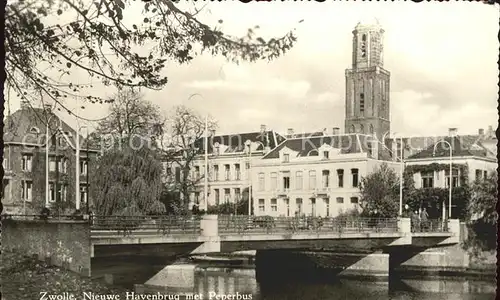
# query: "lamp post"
401,172
248,143
451,176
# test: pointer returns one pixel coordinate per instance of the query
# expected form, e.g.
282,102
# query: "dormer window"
68,134
286,157
35,130
326,154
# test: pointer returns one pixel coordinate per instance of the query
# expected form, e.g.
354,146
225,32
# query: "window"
455,182
274,205
340,177
227,174
274,181
62,192
26,162
83,193
363,45
177,174
326,203
286,181
298,204
217,196
479,173
216,172
352,129
52,164
354,200
298,180
237,194
262,205
326,154
197,172
428,179
26,190
63,165
261,182
227,195
362,102
371,129
35,130
313,206
52,192
197,197
355,177
5,163
286,157
61,141
238,171
312,180
340,200
83,167
326,178
485,174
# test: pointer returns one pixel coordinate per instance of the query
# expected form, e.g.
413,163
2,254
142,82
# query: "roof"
235,143
28,126
305,134
464,145
347,143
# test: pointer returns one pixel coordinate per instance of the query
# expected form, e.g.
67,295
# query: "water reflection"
244,281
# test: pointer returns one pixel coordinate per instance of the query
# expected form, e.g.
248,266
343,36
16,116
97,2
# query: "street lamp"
248,143
450,183
401,171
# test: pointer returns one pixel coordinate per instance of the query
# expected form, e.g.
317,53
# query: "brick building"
24,162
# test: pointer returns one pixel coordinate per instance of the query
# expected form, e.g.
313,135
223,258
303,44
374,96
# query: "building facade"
314,176
24,162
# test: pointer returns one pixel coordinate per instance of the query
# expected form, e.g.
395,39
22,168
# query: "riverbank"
25,277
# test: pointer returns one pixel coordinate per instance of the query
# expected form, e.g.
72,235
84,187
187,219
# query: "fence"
161,224
268,225
432,225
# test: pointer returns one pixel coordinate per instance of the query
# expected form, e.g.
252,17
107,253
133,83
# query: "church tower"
367,84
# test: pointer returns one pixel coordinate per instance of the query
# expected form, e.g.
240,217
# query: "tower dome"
368,22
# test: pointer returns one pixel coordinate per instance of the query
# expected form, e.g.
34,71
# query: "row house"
230,160
24,161
466,150
315,175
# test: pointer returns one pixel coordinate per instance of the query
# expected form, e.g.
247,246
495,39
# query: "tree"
380,192
182,145
97,40
127,182
131,114
483,215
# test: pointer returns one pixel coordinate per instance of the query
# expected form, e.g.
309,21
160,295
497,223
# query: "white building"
315,176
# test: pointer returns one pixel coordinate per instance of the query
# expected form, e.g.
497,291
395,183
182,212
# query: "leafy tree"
380,192
127,182
96,39
180,142
482,215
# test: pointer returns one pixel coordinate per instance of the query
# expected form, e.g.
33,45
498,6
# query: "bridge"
74,242
212,233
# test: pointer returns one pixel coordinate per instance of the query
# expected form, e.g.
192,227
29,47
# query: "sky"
442,58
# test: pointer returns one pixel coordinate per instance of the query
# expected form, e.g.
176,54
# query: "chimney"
325,132
25,104
262,128
335,131
491,133
452,132
480,131
290,132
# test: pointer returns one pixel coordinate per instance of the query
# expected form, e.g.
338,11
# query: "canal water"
214,280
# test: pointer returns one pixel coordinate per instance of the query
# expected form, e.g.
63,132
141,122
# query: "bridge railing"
279,225
41,217
160,224
431,225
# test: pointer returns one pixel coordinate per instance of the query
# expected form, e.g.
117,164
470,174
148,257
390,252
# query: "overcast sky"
442,58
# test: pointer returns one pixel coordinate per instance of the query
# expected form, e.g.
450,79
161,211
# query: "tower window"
363,45
361,129
362,102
